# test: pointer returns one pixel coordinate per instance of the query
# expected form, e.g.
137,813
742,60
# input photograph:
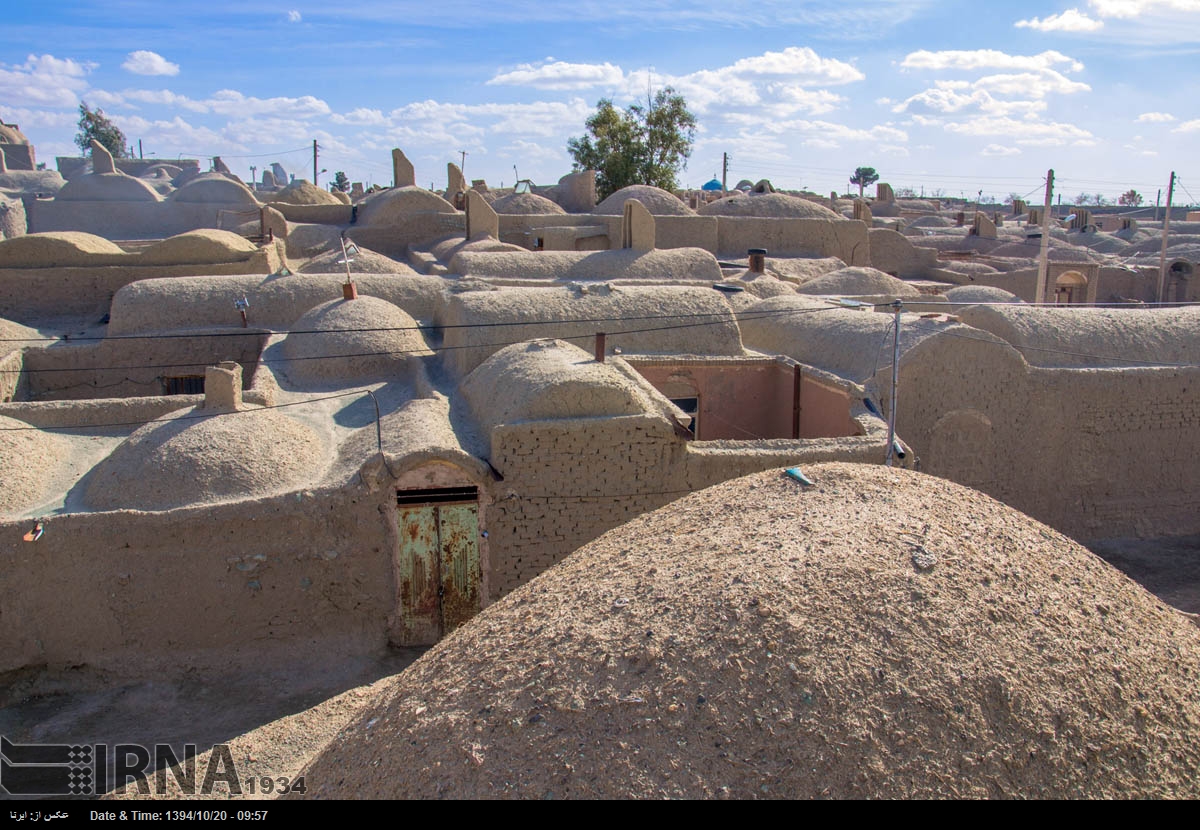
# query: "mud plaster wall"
744,400
720,235
13,384
28,294
751,399
845,239
1095,453
315,214
565,482
125,588
275,302
135,220
394,238
69,371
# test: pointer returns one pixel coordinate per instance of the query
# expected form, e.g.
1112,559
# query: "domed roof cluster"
859,281
656,200
198,456
348,340
526,204
767,206
31,457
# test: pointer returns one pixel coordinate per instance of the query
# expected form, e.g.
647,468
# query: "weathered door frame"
438,548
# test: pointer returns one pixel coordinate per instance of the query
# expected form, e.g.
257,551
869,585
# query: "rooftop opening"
748,399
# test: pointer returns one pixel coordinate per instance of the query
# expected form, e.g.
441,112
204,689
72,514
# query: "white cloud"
44,81
531,151
940,100
1188,127
1025,132
1127,9
1000,150
987,59
143,62
1031,84
779,80
539,118
360,117
176,135
233,103
799,65
562,75
832,131
1154,118
164,97
38,118
1072,20
294,16
789,99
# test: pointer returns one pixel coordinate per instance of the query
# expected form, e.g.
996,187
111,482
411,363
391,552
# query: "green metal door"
438,568
421,620
458,535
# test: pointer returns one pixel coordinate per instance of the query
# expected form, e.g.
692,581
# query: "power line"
244,155
193,416
439,349
736,318
375,329
1110,358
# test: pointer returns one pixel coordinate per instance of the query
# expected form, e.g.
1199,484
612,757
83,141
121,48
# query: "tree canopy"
862,177
96,125
1130,197
340,182
638,145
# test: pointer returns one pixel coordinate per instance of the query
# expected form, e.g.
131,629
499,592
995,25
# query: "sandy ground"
273,720
276,721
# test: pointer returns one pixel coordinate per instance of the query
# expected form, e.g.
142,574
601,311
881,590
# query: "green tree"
862,177
340,182
96,125
1130,197
638,145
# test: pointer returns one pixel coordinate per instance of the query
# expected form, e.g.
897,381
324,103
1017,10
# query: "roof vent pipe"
758,260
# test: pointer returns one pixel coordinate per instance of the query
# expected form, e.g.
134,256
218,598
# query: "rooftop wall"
1095,453
151,589
134,220
659,320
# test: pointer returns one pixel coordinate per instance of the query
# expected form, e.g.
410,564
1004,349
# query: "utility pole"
1157,202
253,176
1162,256
140,156
897,306
1043,259
314,162
462,167
724,172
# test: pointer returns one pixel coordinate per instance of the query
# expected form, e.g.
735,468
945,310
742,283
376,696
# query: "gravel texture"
878,634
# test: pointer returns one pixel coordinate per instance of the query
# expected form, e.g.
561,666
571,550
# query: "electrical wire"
722,319
192,417
1064,352
398,352
244,155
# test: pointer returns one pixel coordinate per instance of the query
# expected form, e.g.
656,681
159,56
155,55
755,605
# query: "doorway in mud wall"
438,570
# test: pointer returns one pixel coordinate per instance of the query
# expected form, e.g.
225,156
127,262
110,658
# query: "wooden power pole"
315,163
1043,258
1162,256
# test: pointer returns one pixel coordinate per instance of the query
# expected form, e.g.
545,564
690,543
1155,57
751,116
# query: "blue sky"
953,96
